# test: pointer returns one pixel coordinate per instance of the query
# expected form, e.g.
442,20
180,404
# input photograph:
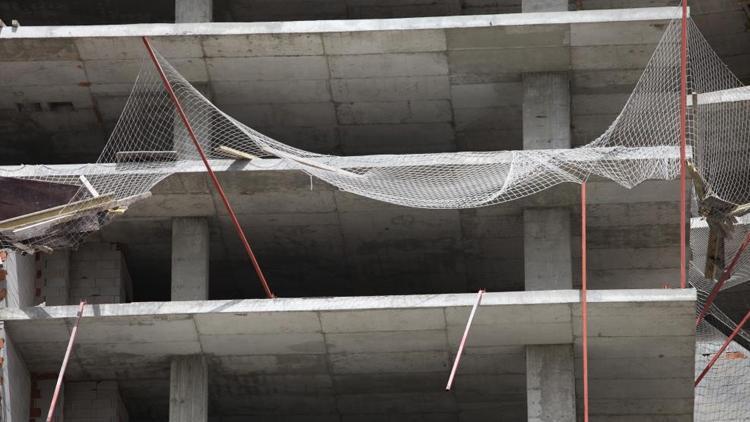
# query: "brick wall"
93,401
42,389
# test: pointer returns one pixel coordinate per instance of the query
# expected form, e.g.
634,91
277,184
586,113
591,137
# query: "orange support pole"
723,347
683,149
211,174
71,342
584,306
460,352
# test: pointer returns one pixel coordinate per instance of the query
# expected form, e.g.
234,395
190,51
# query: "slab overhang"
634,334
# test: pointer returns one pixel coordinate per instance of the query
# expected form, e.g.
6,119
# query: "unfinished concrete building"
372,298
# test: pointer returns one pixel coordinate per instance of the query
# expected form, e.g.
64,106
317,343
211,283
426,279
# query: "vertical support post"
60,376
211,174
723,347
584,306
683,148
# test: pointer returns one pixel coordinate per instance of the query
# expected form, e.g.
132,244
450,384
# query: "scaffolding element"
212,175
723,348
460,352
584,306
61,375
683,145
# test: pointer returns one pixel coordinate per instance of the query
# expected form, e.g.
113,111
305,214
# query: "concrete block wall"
17,279
53,278
98,273
94,401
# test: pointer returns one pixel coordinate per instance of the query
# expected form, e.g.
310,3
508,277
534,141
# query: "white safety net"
150,142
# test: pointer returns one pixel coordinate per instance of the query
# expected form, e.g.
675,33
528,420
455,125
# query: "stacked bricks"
93,401
3,282
42,389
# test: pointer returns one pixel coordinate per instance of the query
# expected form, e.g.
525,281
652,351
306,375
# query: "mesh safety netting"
150,142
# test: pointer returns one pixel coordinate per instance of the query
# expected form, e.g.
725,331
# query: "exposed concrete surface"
94,401
347,87
20,279
546,243
188,389
190,258
193,11
372,355
15,382
550,383
546,110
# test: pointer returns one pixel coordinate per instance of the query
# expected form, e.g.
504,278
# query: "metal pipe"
723,347
584,305
212,175
683,149
480,293
61,375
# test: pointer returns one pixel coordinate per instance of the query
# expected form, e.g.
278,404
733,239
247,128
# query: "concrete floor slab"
374,355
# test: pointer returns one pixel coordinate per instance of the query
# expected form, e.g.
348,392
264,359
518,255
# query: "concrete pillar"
528,6
187,11
15,382
188,389
550,390
550,377
546,110
190,251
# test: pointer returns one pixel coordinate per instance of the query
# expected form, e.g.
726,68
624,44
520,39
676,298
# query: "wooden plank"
102,201
88,186
234,153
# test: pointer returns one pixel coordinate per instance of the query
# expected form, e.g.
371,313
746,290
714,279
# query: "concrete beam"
188,389
190,258
237,28
530,6
186,11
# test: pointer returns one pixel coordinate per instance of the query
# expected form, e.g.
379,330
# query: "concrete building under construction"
372,299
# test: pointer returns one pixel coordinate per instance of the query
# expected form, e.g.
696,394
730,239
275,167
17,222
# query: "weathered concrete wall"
17,279
15,383
94,401
42,390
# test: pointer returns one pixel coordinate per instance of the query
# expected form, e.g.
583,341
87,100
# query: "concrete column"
15,382
528,6
187,11
550,390
550,377
190,251
188,389
546,110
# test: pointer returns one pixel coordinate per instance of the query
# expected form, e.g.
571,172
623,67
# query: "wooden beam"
234,153
14,223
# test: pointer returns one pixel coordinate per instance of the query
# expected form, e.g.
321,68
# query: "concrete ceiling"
348,357
387,86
